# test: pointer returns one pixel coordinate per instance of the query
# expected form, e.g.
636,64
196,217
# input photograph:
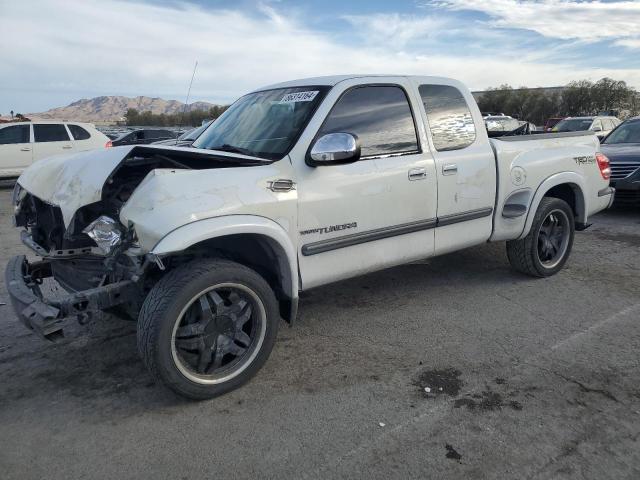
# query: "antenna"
184,109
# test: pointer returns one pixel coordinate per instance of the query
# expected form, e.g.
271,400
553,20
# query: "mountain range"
113,108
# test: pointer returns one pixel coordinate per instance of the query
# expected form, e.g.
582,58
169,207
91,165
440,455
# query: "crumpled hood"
72,181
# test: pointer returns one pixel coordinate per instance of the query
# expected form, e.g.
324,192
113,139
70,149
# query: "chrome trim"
334,147
389,155
281,185
417,174
449,169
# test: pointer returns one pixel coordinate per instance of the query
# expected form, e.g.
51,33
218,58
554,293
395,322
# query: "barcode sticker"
299,97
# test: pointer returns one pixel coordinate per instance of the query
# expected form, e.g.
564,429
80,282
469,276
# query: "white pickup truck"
297,185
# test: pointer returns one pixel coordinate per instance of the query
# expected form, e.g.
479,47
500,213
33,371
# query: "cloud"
65,50
588,21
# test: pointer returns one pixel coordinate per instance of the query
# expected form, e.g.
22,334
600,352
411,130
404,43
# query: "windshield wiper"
233,149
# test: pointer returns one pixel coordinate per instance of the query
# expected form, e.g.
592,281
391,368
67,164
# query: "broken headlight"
16,197
106,232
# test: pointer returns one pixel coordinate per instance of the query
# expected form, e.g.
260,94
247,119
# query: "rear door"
465,165
16,151
50,139
376,212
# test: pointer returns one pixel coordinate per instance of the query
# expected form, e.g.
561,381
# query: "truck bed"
523,163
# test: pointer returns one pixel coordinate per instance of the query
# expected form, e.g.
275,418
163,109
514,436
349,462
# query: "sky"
55,52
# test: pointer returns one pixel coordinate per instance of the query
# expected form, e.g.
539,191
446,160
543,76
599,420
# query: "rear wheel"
545,250
207,327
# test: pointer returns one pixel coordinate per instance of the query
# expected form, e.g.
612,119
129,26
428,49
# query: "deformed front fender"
193,233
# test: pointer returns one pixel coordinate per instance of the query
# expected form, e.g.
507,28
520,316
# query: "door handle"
417,174
67,147
25,149
449,169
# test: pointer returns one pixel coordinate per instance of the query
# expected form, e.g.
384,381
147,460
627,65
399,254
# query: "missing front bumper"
48,317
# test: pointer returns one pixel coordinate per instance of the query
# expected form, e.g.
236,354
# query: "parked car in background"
551,122
622,146
601,126
186,139
501,123
23,143
143,136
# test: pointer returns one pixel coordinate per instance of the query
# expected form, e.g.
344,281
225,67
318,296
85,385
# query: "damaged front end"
70,211
95,260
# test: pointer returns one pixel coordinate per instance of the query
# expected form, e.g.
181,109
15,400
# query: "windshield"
625,133
263,124
573,125
195,133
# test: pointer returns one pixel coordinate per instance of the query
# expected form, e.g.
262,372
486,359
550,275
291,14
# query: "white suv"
23,143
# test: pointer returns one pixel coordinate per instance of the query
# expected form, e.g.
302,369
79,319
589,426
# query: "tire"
197,320
533,255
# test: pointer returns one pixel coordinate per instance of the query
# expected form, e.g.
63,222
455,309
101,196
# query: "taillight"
603,165
108,144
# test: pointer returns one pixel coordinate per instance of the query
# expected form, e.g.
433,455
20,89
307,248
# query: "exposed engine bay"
96,249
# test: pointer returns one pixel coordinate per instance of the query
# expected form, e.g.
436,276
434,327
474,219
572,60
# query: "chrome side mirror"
334,148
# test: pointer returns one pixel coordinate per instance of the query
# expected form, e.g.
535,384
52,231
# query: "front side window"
379,116
78,132
450,119
14,134
263,124
50,133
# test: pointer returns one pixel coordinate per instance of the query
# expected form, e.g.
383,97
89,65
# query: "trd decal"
585,159
332,228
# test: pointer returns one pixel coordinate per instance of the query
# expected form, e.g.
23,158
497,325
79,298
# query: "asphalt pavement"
526,378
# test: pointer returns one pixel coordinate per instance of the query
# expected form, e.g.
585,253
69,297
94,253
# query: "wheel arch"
567,186
256,242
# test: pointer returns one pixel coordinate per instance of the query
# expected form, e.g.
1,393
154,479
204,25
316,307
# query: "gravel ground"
529,378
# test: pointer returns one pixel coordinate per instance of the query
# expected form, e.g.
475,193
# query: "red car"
551,122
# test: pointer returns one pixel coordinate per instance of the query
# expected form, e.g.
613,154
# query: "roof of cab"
335,79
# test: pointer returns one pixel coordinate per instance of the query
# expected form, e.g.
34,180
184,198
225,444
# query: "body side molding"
393,231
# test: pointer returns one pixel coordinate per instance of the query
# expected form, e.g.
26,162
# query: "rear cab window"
50,132
449,117
78,132
15,134
379,115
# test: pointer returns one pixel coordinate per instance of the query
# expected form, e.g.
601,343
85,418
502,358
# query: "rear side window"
14,134
449,117
50,133
380,116
78,132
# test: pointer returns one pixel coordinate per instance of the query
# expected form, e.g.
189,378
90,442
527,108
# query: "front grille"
623,169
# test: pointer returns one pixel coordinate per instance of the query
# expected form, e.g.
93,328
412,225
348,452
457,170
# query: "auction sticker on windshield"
299,96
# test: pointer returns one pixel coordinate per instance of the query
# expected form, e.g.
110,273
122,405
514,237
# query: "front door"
376,212
15,149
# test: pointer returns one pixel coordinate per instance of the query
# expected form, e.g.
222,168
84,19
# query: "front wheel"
207,327
545,250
